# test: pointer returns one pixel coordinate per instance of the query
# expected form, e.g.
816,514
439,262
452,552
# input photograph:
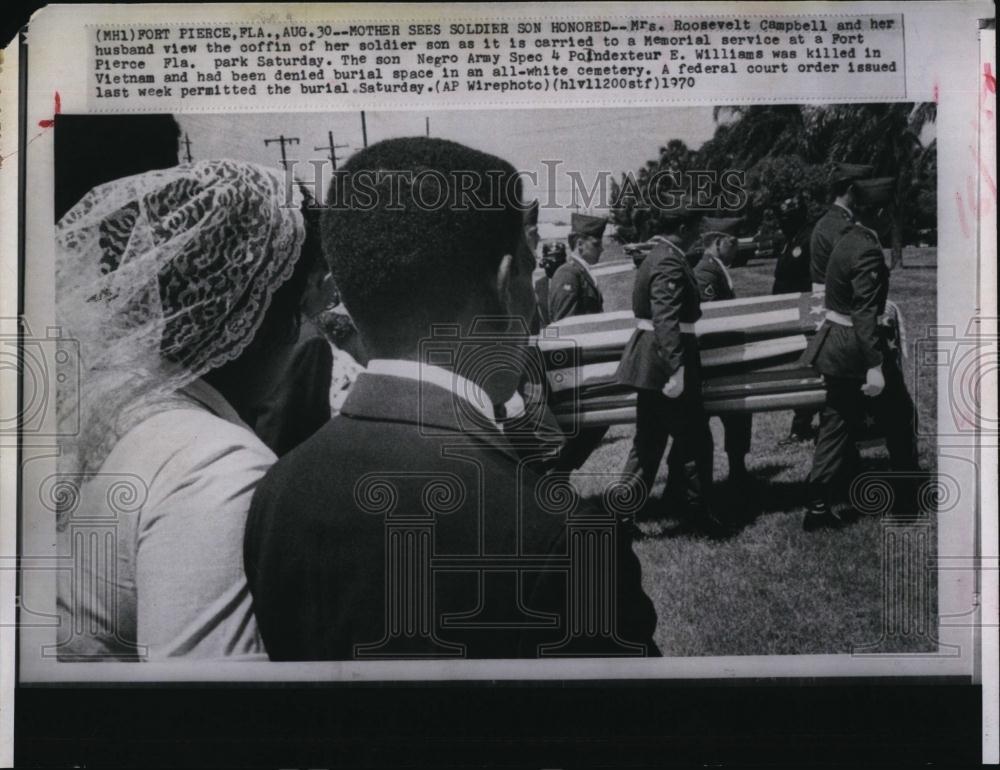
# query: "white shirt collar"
583,263
435,375
514,406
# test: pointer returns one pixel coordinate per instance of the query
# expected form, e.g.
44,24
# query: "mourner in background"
661,362
553,257
792,274
857,365
837,219
298,403
792,268
715,282
573,291
419,426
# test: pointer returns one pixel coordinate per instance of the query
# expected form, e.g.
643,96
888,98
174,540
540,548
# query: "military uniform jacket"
666,293
792,271
828,230
573,291
714,282
857,283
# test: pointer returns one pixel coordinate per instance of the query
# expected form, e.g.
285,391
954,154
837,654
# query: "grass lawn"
771,588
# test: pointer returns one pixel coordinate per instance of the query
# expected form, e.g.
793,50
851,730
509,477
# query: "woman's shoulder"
185,441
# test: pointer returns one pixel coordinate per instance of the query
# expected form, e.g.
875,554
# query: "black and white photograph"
498,385
656,393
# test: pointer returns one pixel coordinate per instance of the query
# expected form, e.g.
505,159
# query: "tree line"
790,149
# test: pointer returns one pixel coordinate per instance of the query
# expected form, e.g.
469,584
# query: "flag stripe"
625,415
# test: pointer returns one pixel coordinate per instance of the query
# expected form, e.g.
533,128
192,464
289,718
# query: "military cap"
875,192
847,171
586,225
715,226
681,210
531,214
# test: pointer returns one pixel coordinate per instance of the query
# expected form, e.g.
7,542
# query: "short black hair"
840,187
415,227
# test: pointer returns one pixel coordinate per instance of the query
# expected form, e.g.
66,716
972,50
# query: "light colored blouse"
160,573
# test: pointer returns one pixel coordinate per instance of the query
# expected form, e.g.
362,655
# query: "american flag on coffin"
750,352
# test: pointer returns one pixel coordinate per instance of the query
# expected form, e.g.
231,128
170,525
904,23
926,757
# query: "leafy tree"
788,149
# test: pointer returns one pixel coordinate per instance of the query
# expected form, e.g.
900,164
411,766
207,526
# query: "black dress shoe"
822,519
713,527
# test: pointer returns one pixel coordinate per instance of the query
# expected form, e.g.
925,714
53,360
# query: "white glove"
675,385
874,382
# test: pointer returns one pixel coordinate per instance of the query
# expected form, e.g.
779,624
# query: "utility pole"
332,148
282,140
364,130
187,147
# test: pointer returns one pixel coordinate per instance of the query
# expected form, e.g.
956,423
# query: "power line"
282,140
332,148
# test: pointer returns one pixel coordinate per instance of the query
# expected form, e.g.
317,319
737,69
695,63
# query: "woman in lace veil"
181,287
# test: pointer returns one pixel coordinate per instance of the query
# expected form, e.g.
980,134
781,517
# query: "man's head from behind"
842,181
422,231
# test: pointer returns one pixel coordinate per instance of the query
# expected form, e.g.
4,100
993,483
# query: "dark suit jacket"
827,231
328,525
541,318
299,404
573,292
665,293
792,268
857,284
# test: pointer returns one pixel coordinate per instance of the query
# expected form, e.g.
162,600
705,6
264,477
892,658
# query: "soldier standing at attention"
573,291
662,363
836,221
854,360
792,274
715,283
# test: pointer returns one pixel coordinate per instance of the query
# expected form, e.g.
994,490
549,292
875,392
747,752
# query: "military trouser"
802,422
659,418
578,448
842,422
738,428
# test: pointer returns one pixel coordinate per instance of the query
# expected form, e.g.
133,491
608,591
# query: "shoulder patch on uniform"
710,291
567,287
797,251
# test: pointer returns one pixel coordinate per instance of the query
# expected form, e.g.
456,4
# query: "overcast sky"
587,140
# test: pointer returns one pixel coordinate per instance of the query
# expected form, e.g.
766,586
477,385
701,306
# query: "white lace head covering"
160,278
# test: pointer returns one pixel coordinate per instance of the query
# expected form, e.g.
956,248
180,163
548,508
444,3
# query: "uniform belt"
819,287
838,318
647,326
